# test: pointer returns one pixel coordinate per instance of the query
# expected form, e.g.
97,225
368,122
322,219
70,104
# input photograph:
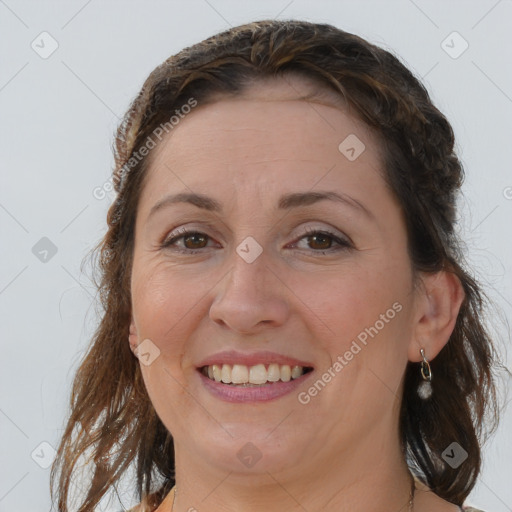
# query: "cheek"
165,303
360,319
344,303
363,330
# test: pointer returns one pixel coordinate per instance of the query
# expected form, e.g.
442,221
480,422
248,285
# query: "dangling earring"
425,387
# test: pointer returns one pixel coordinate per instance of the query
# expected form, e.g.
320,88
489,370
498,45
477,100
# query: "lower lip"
263,393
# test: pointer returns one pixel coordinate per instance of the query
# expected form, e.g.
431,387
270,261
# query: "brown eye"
195,241
320,241
189,242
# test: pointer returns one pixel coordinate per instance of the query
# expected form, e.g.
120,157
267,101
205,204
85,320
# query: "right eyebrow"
199,200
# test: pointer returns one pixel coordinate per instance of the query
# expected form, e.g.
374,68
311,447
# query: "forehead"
282,133
289,105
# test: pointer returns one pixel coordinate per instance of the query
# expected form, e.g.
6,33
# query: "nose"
250,298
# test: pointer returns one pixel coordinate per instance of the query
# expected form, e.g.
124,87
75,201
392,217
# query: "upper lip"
251,359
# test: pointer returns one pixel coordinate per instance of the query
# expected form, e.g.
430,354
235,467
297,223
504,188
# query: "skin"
298,298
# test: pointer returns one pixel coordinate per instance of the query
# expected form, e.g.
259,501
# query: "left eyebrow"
298,199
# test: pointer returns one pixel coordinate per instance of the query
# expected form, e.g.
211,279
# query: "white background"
58,116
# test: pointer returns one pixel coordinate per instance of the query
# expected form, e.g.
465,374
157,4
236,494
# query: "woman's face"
267,244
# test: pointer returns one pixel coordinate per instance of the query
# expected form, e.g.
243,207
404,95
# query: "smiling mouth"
250,376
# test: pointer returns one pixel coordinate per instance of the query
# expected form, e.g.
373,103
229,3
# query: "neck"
370,477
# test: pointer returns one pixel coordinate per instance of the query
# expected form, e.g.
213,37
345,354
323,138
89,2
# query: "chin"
249,452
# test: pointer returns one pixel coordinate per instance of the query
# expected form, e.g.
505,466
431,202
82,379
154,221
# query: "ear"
437,305
133,337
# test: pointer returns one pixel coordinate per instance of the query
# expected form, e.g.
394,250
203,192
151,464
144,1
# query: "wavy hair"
112,422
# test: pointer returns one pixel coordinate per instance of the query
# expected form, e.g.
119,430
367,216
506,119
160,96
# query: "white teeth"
274,373
296,372
225,374
217,374
239,374
286,373
258,374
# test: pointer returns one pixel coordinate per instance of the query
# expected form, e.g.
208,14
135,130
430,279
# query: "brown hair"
112,419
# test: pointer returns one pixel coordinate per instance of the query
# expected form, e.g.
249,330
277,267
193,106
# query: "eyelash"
343,244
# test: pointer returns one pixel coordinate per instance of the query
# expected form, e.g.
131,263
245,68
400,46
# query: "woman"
288,324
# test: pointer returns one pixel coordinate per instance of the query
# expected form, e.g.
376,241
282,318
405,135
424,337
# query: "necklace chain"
411,497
